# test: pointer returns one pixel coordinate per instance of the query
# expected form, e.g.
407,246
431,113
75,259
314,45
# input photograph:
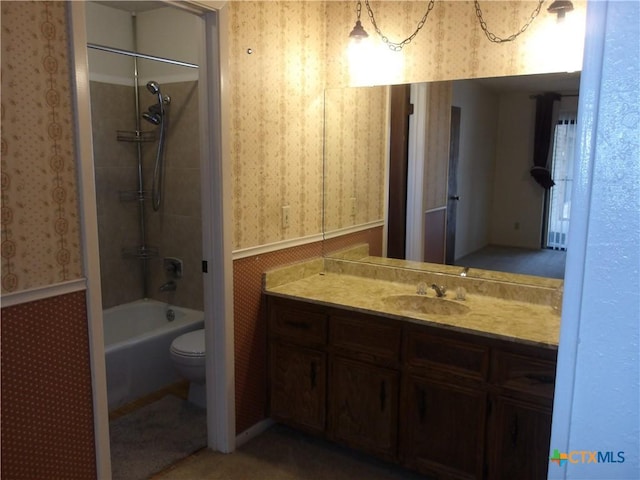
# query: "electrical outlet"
285,216
354,208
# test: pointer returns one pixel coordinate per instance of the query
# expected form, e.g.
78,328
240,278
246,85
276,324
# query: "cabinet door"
298,387
363,401
519,439
442,428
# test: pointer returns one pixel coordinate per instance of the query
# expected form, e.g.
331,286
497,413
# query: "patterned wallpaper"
451,45
298,48
277,114
47,408
40,229
356,135
276,118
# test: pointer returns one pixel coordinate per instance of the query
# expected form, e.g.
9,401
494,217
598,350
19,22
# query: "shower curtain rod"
141,55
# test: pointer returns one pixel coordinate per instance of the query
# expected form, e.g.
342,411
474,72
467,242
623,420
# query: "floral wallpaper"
354,156
276,86
282,56
299,48
40,229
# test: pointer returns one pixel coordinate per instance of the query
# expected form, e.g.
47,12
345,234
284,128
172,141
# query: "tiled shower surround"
176,228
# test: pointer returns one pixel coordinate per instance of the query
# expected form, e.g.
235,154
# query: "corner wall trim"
353,229
296,242
40,293
272,247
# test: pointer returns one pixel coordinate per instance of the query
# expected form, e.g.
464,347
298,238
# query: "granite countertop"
535,324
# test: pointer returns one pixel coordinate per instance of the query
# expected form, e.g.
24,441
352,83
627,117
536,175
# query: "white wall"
597,398
169,33
164,32
479,107
109,27
516,217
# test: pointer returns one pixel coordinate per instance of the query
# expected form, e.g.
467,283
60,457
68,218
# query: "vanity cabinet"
364,383
443,412
451,405
297,365
520,415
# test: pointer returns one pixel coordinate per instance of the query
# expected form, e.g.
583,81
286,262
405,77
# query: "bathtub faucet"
170,286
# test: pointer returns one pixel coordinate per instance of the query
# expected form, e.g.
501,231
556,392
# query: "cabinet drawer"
366,338
294,322
446,355
525,374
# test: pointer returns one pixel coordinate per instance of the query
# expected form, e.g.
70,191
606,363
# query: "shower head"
153,87
155,113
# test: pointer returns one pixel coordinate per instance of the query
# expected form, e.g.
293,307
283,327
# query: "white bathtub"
137,337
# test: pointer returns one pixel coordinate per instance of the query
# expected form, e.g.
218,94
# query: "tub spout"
170,286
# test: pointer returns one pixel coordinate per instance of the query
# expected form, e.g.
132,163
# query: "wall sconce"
560,7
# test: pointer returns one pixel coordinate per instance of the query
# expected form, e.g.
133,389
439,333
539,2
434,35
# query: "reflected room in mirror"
455,172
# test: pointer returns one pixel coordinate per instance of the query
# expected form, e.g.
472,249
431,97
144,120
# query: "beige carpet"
155,436
284,454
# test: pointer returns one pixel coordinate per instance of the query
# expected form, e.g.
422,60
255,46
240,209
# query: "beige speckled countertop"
534,322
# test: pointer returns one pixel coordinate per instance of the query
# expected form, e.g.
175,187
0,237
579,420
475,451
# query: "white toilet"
187,354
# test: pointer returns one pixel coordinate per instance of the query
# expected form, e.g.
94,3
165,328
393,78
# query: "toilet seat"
190,344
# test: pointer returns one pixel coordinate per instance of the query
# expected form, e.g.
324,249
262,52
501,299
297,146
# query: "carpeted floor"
155,436
282,453
542,262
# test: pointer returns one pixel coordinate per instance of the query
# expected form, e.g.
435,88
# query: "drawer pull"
297,324
547,379
383,395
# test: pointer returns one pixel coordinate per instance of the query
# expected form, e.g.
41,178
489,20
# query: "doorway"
215,246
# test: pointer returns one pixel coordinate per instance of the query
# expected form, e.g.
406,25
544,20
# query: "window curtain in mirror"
542,139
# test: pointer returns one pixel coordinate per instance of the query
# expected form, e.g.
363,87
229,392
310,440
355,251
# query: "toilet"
187,354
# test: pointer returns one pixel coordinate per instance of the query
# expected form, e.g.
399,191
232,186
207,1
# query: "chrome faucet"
464,272
170,286
440,290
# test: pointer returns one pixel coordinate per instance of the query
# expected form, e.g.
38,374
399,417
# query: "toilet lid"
190,344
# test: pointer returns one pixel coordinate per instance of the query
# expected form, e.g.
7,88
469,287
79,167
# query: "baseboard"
254,431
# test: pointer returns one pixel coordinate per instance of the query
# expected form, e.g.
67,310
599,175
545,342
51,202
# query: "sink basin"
425,305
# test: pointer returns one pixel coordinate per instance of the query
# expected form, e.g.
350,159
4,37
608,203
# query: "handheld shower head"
153,87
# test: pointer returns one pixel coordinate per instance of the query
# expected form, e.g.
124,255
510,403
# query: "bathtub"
137,337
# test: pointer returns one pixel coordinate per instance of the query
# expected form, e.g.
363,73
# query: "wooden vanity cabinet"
364,383
451,405
443,408
297,364
519,421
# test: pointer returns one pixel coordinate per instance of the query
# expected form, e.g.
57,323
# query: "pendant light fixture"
559,7
358,33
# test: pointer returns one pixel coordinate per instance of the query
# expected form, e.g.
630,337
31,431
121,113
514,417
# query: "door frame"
415,182
216,213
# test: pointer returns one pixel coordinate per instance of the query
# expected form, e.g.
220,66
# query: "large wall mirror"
451,184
